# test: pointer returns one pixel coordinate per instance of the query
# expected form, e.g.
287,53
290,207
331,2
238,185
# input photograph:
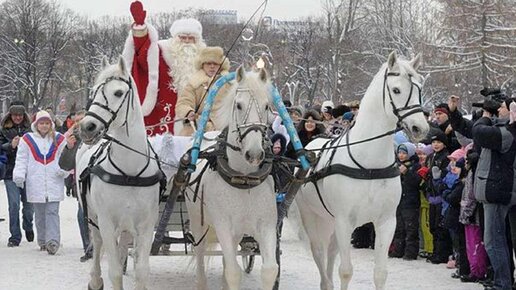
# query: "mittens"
436,172
138,13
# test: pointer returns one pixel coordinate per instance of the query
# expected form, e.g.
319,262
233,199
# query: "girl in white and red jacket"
37,167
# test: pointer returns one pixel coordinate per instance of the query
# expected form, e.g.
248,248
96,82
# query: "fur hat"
296,109
283,142
354,104
327,104
340,110
186,26
212,54
41,115
17,108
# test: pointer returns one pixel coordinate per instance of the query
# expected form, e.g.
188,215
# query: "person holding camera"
16,123
494,186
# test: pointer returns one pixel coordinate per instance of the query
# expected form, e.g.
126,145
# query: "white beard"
181,60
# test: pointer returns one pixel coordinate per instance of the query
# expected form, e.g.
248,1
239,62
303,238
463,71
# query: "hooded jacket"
8,131
495,174
410,180
37,164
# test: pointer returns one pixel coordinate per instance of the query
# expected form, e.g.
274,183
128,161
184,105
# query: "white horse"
124,191
392,98
230,211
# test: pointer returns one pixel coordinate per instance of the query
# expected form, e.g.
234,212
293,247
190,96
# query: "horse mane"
260,90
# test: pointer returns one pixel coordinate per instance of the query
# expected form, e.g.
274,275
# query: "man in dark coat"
494,186
16,123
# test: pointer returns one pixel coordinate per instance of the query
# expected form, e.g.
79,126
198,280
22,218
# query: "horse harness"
361,172
217,161
94,164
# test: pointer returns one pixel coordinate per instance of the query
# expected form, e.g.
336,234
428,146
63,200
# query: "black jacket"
410,185
494,176
453,197
8,131
439,159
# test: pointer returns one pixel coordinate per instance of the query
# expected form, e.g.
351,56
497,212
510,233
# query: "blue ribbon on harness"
208,103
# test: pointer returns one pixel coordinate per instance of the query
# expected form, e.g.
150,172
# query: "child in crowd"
37,165
437,162
452,186
427,245
470,218
406,236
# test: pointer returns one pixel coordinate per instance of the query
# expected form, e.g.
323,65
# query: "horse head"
113,96
249,116
402,89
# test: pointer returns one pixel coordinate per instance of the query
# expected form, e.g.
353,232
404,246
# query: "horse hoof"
101,286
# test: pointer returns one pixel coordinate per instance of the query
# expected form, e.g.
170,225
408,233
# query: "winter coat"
191,99
8,131
37,164
439,159
468,204
410,185
452,196
494,176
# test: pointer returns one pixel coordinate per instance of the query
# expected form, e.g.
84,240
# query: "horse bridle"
413,109
248,127
128,97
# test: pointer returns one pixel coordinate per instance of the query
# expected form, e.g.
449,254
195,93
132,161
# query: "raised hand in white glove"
62,173
20,182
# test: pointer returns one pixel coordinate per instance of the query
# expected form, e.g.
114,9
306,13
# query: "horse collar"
233,177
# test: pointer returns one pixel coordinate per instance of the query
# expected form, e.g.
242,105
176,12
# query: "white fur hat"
327,104
186,26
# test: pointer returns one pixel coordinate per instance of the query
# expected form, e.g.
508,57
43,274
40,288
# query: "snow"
25,267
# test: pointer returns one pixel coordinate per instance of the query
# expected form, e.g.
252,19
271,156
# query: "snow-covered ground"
25,267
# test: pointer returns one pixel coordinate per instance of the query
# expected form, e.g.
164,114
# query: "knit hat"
17,108
408,148
41,115
212,54
442,108
441,137
348,116
186,26
457,154
425,149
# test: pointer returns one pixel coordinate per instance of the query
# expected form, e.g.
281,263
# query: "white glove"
436,172
62,173
20,182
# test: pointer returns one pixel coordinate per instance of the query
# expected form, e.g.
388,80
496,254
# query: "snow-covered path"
25,267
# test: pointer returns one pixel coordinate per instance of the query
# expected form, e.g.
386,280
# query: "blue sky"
280,9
